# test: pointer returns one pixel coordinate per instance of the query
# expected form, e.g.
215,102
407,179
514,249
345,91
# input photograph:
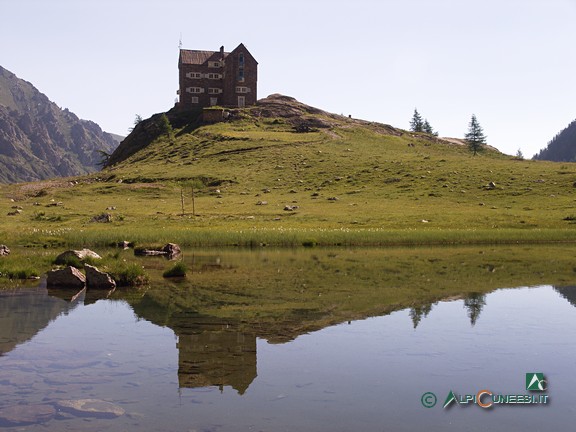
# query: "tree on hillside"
166,127
417,123
137,121
104,158
475,136
427,128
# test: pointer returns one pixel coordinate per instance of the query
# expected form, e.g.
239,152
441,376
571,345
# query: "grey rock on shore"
68,277
97,279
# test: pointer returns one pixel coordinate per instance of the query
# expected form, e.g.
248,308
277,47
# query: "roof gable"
197,57
242,48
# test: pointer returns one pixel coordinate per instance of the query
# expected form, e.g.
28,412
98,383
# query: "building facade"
210,78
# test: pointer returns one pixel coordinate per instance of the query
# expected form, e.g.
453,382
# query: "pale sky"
510,62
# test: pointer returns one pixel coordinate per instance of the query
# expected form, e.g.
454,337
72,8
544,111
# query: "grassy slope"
387,183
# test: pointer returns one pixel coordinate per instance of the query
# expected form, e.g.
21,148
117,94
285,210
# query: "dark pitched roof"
199,57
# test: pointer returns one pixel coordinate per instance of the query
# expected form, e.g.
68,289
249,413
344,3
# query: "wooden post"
182,199
193,204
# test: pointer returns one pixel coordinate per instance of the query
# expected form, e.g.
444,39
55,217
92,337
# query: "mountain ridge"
562,148
39,140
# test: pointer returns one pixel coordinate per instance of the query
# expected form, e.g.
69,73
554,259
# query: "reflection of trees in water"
474,302
419,312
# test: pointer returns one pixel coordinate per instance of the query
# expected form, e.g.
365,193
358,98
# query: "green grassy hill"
285,173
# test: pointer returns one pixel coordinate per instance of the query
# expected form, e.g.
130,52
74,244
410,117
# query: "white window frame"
214,76
214,64
194,100
213,101
214,90
241,101
194,75
242,89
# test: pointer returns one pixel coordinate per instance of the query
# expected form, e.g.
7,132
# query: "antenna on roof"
180,41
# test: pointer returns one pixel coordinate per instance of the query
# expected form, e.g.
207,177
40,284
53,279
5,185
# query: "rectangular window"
214,76
241,89
194,75
241,59
194,90
241,101
214,64
213,101
213,90
241,74
194,99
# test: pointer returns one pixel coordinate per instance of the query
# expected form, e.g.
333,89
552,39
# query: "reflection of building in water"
211,351
213,354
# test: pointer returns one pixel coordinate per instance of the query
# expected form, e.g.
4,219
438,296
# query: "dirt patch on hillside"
305,117
37,189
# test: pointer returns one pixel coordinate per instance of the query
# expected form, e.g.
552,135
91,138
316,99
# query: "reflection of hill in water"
568,292
23,313
211,351
231,297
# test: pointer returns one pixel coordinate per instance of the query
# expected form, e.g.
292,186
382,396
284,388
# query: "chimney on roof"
222,52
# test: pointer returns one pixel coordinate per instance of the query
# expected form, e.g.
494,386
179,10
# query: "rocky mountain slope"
562,148
38,140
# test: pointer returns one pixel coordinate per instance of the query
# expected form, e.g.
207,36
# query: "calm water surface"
366,375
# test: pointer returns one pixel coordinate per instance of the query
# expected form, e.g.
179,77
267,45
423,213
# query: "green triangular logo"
535,381
450,398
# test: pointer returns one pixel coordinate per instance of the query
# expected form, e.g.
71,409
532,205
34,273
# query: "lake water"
203,373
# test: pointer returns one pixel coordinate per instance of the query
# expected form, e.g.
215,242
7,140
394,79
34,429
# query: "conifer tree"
427,128
475,136
137,121
416,124
166,127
